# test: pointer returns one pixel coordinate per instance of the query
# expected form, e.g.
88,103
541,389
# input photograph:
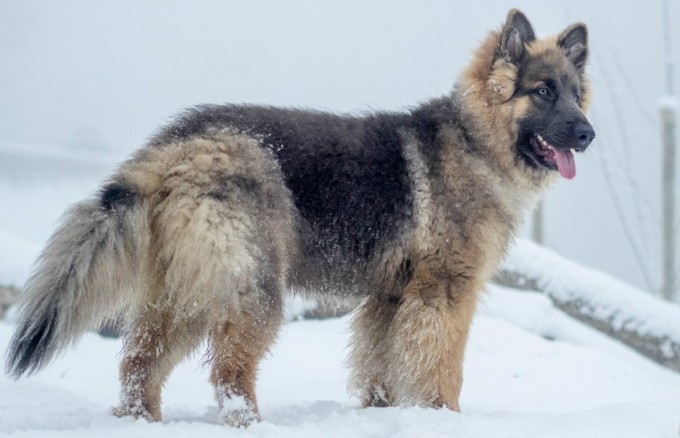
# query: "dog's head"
526,96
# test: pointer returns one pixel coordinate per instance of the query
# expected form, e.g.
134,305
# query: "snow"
518,383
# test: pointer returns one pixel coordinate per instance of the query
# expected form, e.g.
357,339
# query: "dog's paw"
239,412
240,418
136,412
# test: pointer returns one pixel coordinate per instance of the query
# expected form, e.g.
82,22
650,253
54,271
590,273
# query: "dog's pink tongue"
565,163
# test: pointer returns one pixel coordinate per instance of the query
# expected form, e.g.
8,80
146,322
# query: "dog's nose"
584,133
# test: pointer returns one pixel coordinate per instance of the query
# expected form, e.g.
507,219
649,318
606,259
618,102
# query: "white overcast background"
106,74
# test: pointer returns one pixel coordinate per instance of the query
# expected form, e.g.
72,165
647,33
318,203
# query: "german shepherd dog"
201,233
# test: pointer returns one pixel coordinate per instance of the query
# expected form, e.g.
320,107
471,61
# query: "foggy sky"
108,73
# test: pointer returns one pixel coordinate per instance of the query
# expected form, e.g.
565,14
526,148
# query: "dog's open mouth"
552,157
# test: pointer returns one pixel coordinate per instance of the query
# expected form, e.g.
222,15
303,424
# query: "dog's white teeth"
542,141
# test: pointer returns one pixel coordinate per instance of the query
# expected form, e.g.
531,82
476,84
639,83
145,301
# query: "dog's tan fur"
185,299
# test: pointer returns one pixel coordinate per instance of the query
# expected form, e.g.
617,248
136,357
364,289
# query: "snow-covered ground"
518,384
530,371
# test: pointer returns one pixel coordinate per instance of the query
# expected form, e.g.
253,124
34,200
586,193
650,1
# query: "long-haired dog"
202,232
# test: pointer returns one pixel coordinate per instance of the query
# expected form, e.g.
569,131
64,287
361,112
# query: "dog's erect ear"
516,32
574,42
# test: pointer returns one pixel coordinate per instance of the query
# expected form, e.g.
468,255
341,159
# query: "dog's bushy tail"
84,277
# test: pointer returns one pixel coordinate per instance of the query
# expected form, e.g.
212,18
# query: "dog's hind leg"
369,351
222,235
154,345
237,346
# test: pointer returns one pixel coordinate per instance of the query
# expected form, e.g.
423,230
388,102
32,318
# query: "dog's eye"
543,91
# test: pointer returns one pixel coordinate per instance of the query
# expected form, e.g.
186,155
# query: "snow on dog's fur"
201,233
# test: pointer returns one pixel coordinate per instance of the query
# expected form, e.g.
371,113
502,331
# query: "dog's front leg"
428,334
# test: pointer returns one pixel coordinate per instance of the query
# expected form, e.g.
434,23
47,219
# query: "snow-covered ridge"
603,296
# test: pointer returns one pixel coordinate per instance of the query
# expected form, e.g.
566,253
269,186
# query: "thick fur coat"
202,232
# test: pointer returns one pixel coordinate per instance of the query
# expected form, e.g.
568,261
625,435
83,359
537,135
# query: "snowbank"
601,296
